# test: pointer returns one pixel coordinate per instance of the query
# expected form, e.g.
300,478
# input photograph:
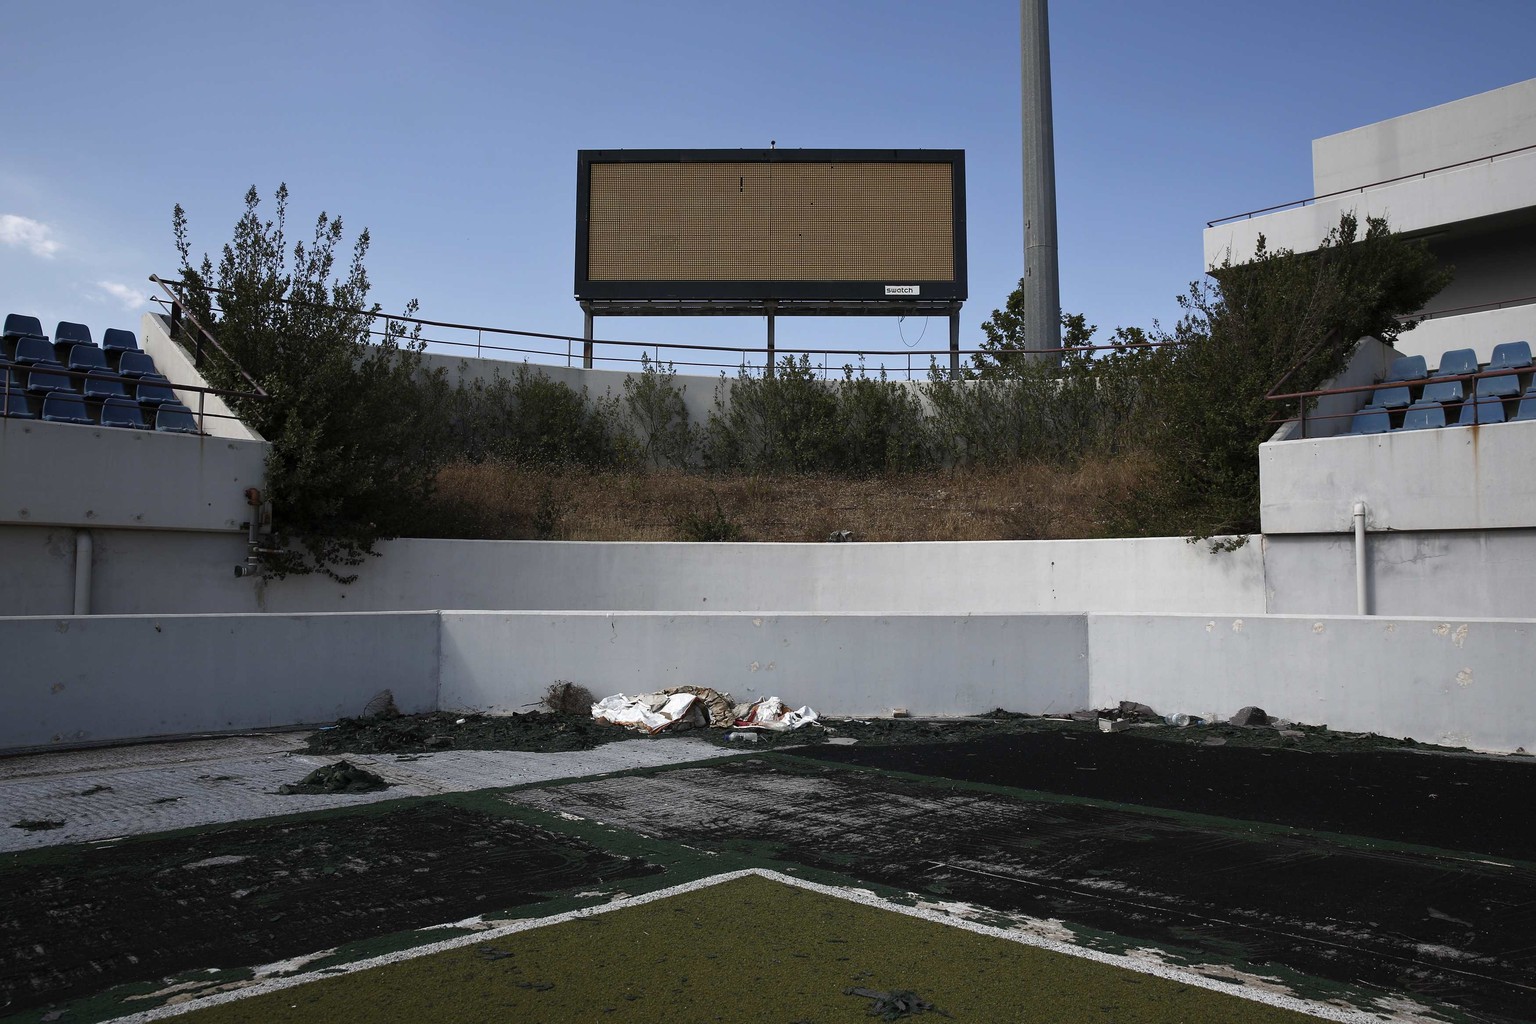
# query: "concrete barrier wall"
166,572
1463,683
844,664
92,679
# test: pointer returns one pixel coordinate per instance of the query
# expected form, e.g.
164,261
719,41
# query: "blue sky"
450,130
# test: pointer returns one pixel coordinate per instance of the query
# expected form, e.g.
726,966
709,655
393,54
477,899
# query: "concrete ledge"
1459,683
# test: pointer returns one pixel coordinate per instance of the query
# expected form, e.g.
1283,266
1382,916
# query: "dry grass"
1031,501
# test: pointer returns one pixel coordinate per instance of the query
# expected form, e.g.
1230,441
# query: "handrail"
98,374
545,335
179,309
1361,188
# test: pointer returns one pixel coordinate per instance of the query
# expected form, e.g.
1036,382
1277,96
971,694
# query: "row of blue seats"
1413,399
71,380
62,407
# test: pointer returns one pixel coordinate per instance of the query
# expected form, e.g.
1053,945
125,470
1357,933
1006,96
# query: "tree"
1006,343
1280,313
353,417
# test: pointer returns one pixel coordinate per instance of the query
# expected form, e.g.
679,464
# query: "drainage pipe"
1359,517
82,572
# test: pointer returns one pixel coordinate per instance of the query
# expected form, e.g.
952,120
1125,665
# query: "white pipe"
1359,516
82,572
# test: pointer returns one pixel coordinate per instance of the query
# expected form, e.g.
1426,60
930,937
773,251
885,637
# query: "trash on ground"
770,713
341,777
1249,716
1183,721
895,1004
567,698
381,705
695,707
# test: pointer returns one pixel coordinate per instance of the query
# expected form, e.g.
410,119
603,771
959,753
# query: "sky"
450,131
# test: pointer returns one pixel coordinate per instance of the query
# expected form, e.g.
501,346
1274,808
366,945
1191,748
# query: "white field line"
1323,1011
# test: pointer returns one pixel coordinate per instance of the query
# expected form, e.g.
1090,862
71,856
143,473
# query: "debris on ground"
381,705
567,698
895,1004
38,824
340,777
1249,717
528,730
692,707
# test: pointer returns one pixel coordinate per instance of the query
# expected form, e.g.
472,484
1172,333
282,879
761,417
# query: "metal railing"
1297,203
9,387
1304,398
634,353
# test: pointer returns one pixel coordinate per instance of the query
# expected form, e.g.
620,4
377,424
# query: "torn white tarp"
770,713
652,712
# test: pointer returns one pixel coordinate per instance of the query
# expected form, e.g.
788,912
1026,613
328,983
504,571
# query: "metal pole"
954,347
586,348
1042,286
768,368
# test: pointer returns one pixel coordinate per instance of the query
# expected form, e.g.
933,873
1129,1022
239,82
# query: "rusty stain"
757,622
56,688
1444,629
1318,627
755,666
1460,636
1210,625
1391,627
1464,677
1237,625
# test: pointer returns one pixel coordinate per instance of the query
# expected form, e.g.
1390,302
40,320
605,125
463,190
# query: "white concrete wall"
72,475
77,680
1464,129
178,366
1455,478
1463,683
842,664
1467,573
1466,193
153,571
1479,331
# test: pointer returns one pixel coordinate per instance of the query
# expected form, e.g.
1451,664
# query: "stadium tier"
1412,398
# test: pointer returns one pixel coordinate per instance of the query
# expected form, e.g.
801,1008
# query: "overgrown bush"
657,416
530,418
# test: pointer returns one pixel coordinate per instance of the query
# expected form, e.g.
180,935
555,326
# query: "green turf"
751,949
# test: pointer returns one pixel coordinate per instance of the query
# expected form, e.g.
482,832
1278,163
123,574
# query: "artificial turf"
749,949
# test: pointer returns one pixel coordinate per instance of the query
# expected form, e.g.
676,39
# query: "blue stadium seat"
1527,410
1457,361
100,384
115,339
1371,420
176,419
1424,415
86,357
1510,355
1444,391
1483,410
48,377
14,404
154,389
33,349
136,364
59,407
1407,368
122,412
1392,398
1507,386
66,334
18,325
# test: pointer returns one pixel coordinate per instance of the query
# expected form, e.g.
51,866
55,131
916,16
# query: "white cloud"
133,301
32,234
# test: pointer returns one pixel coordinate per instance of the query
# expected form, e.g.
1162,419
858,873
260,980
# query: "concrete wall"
1467,573
841,664
77,680
177,364
1442,681
72,475
1455,478
1468,193
152,571
1464,129
1479,331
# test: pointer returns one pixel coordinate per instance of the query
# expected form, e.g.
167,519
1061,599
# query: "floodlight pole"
768,365
1042,286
